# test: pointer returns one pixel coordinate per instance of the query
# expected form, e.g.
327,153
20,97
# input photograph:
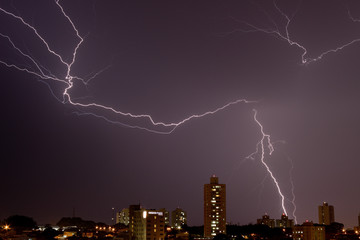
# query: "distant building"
326,214
178,218
309,231
357,228
283,222
265,220
166,216
214,208
123,216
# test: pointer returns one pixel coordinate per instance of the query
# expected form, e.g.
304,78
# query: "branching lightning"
292,189
285,35
263,147
263,144
352,17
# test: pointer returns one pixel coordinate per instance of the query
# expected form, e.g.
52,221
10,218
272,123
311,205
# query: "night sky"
173,59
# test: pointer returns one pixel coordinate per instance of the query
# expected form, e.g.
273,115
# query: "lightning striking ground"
264,143
292,189
68,80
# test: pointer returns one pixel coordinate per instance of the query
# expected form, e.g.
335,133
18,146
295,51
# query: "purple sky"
172,59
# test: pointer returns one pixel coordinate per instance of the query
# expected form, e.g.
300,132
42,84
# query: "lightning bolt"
68,80
352,18
285,35
292,189
263,144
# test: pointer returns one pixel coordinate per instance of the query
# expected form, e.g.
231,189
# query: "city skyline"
172,61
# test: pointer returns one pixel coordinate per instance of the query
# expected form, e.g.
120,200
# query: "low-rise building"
309,231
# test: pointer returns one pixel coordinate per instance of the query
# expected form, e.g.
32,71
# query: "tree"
21,223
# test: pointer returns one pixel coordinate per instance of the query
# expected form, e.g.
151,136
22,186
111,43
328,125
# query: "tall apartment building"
178,218
123,216
137,223
266,220
326,214
166,216
146,224
214,208
284,222
309,231
155,225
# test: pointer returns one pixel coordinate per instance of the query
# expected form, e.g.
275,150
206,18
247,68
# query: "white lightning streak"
352,18
68,81
286,37
265,140
292,189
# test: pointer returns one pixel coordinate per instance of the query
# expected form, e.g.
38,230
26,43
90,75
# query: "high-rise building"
155,225
214,208
133,219
146,224
178,218
309,231
166,216
123,217
266,220
326,214
359,219
284,222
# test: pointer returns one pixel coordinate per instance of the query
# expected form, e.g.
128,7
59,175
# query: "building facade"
309,231
146,224
123,216
155,225
178,218
166,216
133,220
214,208
266,220
283,222
326,214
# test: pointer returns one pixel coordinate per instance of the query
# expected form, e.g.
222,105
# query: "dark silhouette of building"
326,214
178,218
214,208
133,209
266,220
283,222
